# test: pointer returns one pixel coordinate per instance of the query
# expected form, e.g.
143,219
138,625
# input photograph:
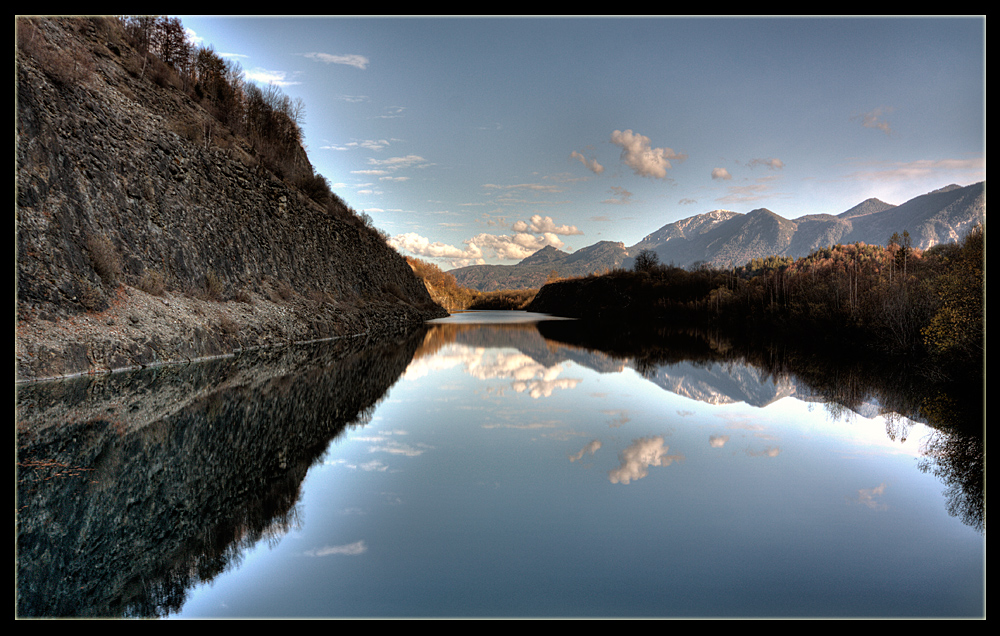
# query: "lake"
498,464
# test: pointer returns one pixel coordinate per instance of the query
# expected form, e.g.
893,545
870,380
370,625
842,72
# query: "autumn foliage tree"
958,328
894,299
442,286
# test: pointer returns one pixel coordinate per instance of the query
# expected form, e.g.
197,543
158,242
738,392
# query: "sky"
480,140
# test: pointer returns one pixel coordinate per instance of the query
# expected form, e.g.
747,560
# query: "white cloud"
193,38
386,166
874,119
590,448
502,247
621,196
956,169
265,76
591,164
870,497
392,112
721,173
516,247
421,246
771,163
367,144
762,188
395,163
540,187
544,388
527,375
541,225
770,451
396,448
639,456
743,194
350,549
527,238
357,61
638,154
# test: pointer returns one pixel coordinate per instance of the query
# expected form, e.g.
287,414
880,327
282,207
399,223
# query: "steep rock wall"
135,208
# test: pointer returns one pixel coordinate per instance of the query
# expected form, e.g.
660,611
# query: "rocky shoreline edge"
140,330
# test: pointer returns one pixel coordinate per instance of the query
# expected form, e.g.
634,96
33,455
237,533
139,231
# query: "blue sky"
483,139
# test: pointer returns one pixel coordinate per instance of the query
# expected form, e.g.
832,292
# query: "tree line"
268,119
893,299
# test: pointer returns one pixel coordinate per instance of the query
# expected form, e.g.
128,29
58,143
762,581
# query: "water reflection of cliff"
132,488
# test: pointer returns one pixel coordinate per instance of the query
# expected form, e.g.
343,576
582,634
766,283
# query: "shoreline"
140,330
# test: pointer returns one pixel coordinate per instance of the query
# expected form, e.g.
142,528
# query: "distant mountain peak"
866,207
726,238
544,255
723,237
687,228
537,268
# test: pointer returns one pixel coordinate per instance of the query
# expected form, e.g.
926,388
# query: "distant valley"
723,238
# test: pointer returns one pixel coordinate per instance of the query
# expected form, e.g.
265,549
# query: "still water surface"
498,473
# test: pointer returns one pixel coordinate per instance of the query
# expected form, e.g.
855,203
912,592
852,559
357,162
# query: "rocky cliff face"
148,233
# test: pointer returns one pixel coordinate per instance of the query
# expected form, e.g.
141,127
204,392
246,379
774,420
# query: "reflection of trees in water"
956,454
846,384
958,461
173,496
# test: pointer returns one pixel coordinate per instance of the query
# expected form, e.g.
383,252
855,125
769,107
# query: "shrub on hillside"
105,258
152,282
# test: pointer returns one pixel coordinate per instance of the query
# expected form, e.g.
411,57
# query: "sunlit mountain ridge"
724,238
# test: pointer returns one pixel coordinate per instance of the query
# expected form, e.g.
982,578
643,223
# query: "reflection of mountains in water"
692,365
708,368
720,382
524,337
714,382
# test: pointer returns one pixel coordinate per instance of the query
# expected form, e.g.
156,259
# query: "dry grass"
105,258
228,326
90,296
153,282
215,289
65,66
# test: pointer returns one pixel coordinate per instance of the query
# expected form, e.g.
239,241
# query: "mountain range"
538,268
724,238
